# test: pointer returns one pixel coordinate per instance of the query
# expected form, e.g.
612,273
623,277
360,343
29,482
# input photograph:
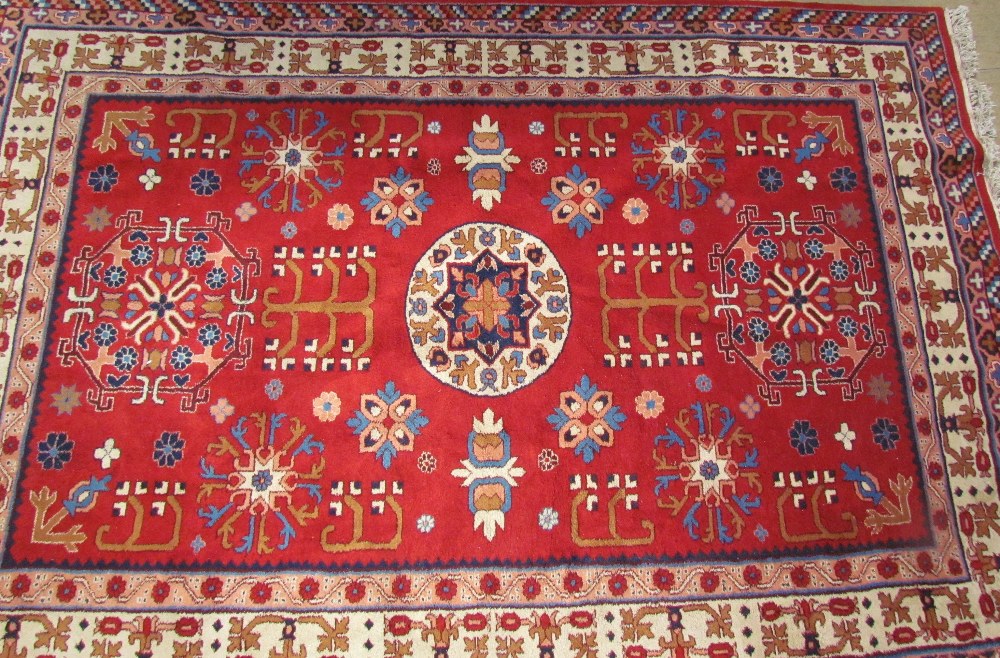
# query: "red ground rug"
472,330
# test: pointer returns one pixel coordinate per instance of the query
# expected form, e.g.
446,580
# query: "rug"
496,330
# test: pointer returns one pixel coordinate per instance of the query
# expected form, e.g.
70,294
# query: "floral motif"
221,410
160,300
397,202
578,200
168,449
425,523
387,423
107,453
770,179
678,158
261,487
55,451
488,309
326,406
649,404
103,178
586,419
885,433
804,311
710,473
488,160
804,437
150,179
246,211
340,216
489,473
206,182
635,211
548,459
292,159
843,179
548,519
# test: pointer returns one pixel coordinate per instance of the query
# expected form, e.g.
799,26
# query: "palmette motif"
718,308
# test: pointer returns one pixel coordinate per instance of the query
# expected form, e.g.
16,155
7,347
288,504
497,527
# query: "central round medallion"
488,309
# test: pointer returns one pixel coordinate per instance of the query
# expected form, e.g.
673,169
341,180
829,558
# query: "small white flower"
548,518
107,453
846,436
807,179
536,128
425,523
434,127
150,179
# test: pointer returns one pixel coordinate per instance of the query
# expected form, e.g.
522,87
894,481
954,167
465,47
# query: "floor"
985,26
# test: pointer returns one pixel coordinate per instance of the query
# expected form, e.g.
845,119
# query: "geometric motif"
144,294
488,309
799,302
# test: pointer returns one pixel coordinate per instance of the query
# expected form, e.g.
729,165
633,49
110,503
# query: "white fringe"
981,104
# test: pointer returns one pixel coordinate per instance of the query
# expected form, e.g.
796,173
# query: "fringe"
981,104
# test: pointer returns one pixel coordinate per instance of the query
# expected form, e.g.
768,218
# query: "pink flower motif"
340,216
246,211
326,406
725,203
750,407
221,410
649,404
635,211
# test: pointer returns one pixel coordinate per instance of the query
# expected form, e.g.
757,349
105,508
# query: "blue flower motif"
687,226
195,255
750,272
848,327
803,437
758,329
839,270
814,248
141,254
703,383
829,351
767,249
103,178
418,307
781,354
209,335
289,230
261,480
206,182
55,451
274,388
181,357
843,179
885,433
216,278
115,276
556,304
770,179
126,358
105,334
168,449
709,470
